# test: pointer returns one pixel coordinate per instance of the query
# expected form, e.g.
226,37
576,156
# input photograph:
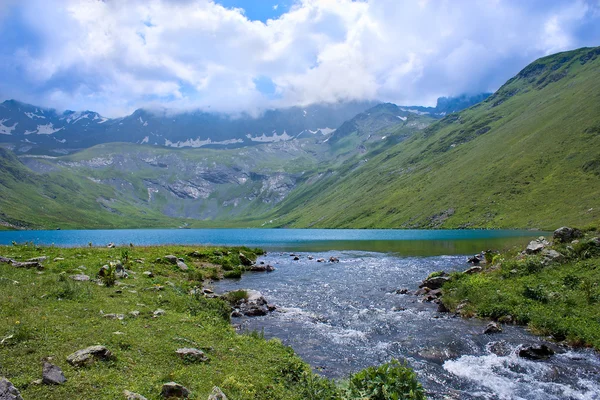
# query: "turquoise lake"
404,242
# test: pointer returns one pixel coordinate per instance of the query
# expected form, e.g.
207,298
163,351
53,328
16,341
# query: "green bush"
390,381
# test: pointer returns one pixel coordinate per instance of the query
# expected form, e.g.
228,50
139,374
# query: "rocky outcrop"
8,391
172,389
254,305
88,355
52,375
565,234
246,262
435,282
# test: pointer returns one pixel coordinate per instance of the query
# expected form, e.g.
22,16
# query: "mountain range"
524,157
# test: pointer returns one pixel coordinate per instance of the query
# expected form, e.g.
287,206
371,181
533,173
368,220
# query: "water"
343,317
406,242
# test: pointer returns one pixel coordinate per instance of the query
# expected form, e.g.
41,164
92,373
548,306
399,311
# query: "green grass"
559,299
46,314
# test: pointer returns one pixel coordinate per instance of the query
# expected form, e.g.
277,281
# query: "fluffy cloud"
114,56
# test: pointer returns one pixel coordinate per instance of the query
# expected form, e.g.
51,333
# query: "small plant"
435,274
571,281
108,275
537,293
125,255
235,296
589,290
235,273
391,381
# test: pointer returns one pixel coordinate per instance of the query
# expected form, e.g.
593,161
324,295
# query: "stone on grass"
159,312
171,259
80,277
491,328
27,264
473,270
133,396
192,355
217,394
435,282
134,313
172,389
535,246
52,375
552,255
89,355
148,274
8,391
182,266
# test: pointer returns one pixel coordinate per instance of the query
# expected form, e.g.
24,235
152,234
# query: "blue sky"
114,56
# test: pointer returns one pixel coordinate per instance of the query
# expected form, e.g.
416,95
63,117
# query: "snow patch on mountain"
145,140
266,139
199,143
47,129
6,130
31,115
402,118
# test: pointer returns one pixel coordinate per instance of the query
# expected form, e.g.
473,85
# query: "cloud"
114,56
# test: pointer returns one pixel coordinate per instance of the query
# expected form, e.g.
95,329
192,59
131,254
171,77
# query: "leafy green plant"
391,381
537,293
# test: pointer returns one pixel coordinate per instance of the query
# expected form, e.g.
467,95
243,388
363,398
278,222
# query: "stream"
343,317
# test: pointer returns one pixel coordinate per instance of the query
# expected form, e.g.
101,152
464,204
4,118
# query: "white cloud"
113,56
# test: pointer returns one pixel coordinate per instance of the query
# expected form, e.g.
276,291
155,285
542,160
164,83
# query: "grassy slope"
526,157
561,299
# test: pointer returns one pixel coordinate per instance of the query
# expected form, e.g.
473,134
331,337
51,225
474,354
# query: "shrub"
537,293
235,296
393,380
236,273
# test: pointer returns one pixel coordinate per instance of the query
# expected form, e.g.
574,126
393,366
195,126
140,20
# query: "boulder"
492,328
159,312
111,245
565,234
500,348
321,260
80,277
148,274
310,257
89,355
133,396
401,291
434,283
192,355
254,305
8,391
134,313
476,259
171,259
262,268
296,258
52,375
540,352
442,308
245,260
334,259
182,266
172,389
217,394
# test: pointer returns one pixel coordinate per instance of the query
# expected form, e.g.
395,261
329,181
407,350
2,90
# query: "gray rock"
111,245
172,389
134,313
171,259
80,277
27,264
245,260
321,260
159,312
89,355
254,305
59,259
8,391
565,234
114,316
334,259
148,274
192,355
262,268
38,259
492,328
217,394
133,396
535,246
52,375
182,266
401,291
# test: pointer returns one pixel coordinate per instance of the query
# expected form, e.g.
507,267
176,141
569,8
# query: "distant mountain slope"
527,157
448,105
28,129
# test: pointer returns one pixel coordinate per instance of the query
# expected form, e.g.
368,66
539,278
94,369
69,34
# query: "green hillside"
527,157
